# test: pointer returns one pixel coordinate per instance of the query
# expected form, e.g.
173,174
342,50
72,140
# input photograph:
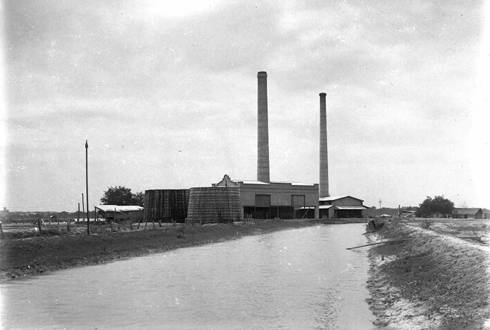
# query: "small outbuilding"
467,213
118,213
341,207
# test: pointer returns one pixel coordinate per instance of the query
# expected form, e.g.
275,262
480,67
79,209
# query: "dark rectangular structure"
166,205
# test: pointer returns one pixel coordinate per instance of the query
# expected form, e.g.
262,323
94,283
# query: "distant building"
407,213
467,213
341,207
120,212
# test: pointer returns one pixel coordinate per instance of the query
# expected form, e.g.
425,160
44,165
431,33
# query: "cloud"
167,95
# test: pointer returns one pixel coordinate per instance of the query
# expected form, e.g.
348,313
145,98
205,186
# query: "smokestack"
323,147
263,129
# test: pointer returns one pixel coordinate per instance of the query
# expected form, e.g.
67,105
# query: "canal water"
292,279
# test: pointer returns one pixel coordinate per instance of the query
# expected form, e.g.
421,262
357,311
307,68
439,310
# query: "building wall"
133,216
326,213
280,193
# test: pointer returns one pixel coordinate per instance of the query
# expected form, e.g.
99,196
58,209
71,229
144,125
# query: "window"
298,201
262,200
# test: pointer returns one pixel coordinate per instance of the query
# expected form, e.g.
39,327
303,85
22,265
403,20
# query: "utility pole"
380,203
86,186
83,207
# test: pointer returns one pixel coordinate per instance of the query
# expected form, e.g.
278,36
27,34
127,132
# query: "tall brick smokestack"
323,147
263,129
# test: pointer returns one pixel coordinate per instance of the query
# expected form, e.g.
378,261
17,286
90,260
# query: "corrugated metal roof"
334,198
119,208
350,207
252,182
274,182
324,207
466,210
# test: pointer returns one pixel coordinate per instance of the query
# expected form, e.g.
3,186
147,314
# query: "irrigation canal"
301,278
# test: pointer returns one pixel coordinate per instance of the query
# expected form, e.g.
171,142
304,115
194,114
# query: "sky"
166,95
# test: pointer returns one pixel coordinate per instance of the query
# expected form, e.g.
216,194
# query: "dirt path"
429,281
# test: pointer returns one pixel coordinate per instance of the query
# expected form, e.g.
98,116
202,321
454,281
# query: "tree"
121,196
138,198
437,205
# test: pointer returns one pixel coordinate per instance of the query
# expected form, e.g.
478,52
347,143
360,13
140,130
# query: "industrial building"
269,200
331,206
230,200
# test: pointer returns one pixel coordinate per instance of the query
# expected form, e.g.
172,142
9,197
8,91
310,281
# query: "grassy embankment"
432,280
25,256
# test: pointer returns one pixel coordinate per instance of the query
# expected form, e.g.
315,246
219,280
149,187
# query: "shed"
344,206
468,213
120,212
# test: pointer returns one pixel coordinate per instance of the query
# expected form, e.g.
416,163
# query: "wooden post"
95,212
78,213
39,225
86,186
1,229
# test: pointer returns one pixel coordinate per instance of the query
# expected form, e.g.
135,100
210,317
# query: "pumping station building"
233,200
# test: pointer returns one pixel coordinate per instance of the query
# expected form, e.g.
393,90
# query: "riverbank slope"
36,255
428,279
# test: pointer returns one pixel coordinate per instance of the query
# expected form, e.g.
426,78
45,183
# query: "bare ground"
432,280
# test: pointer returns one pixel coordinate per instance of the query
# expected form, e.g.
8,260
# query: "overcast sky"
166,96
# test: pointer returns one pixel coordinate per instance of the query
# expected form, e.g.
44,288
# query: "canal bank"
428,279
20,258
